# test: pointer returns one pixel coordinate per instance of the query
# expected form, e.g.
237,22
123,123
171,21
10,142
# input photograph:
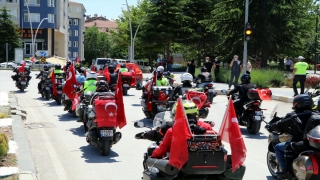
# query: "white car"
11,64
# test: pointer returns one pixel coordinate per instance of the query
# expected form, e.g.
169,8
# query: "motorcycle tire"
58,100
74,114
21,89
254,126
47,95
105,146
125,91
271,166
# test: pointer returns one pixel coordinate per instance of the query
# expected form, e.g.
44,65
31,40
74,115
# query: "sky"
109,8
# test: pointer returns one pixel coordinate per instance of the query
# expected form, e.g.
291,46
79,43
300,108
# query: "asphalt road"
60,150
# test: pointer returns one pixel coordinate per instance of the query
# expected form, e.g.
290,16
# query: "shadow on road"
79,131
147,122
246,134
135,105
129,95
270,178
92,155
19,92
66,117
40,98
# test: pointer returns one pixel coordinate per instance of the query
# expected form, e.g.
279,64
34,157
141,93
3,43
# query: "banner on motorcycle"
264,93
121,116
22,68
199,98
70,82
53,82
106,74
75,101
106,112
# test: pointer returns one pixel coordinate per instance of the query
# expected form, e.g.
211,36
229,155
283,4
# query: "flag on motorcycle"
93,68
53,82
121,116
70,82
230,133
180,134
106,112
133,67
78,59
106,74
22,68
75,101
153,83
264,93
130,75
199,98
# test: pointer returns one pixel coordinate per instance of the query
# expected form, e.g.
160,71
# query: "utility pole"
245,42
7,51
315,46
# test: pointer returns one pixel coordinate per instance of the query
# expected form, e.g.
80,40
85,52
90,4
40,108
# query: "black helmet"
69,63
302,102
122,65
57,67
245,78
204,69
110,68
100,69
102,86
46,68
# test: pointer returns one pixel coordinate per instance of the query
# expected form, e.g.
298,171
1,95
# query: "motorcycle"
22,81
126,81
207,158
315,95
206,87
251,114
67,103
59,82
305,166
101,125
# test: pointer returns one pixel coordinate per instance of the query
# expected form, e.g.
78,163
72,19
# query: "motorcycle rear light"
252,90
209,85
256,103
315,165
314,140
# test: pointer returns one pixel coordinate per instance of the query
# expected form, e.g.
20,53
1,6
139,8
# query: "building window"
75,33
13,12
51,18
50,3
78,9
69,44
69,9
75,54
70,33
75,43
32,2
34,17
70,21
9,1
75,22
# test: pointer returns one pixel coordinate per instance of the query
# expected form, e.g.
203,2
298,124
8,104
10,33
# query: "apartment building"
103,24
76,30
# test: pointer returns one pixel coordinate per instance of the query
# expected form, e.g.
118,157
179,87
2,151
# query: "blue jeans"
170,67
279,150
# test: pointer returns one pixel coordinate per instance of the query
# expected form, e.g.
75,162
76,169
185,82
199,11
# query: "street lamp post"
134,38
29,18
131,44
245,42
35,36
199,56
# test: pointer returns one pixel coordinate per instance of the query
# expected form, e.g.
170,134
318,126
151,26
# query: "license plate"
211,90
106,133
59,92
257,118
23,83
258,113
126,85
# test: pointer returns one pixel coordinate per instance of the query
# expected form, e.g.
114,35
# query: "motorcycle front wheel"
47,95
58,100
254,126
272,164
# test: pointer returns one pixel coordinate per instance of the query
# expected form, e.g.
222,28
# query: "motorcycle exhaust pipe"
162,165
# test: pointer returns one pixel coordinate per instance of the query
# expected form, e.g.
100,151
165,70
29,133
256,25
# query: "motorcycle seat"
251,101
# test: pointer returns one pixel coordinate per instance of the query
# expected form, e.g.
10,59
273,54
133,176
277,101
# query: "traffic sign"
43,60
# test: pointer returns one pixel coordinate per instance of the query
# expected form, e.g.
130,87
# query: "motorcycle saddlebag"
253,94
161,92
106,112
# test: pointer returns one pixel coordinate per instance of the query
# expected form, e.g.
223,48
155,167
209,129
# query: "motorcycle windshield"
274,111
161,118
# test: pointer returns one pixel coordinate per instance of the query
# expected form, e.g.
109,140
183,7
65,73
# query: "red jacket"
165,145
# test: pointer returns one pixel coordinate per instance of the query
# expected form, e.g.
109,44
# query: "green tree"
96,44
8,33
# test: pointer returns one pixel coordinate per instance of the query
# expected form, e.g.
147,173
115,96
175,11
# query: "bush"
312,81
4,147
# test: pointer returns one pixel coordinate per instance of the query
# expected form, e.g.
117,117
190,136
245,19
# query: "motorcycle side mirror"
36,74
275,115
139,124
224,91
147,79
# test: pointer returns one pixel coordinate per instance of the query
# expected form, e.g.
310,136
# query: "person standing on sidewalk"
249,67
170,63
299,74
208,64
216,67
236,68
191,68
288,63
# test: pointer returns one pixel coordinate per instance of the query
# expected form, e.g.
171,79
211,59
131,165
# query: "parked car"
36,64
28,63
11,64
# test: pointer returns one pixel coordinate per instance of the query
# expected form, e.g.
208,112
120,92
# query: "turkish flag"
78,59
180,134
75,101
22,68
230,133
134,68
199,98
130,75
106,74
106,112
153,83
70,82
93,68
121,116
264,93
53,82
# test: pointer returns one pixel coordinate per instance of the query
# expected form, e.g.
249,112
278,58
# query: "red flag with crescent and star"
21,68
106,74
264,93
53,81
106,112
70,82
75,101
199,98
121,116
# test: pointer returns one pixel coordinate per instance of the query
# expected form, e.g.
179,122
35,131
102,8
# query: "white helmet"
160,68
186,77
91,75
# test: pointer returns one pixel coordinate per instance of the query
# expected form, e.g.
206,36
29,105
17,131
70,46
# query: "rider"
186,80
243,89
302,106
26,70
196,126
123,68
161,81
80,69
113,76
67,66
205,76
45,70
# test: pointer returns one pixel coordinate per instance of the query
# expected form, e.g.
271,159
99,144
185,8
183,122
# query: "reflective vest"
90,85
123,70
162,82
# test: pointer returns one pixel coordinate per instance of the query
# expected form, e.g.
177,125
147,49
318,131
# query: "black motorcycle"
206,87
22,81
59,88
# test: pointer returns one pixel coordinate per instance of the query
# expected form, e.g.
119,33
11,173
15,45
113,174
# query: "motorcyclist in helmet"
196,126
186,79
26,72
102,86
161,81
67,66
295,124
243,89
113,75
204,76
123,68
42,73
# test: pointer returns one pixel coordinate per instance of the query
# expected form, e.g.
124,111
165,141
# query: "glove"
268,128
152,135
197,129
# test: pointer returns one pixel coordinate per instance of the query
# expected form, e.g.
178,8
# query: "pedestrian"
164,63
289,63
170,63
299,74
208,64
216,67
191,68
236,67
249,68
159,61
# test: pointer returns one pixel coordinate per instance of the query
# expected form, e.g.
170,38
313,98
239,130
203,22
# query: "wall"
61,32
14,8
